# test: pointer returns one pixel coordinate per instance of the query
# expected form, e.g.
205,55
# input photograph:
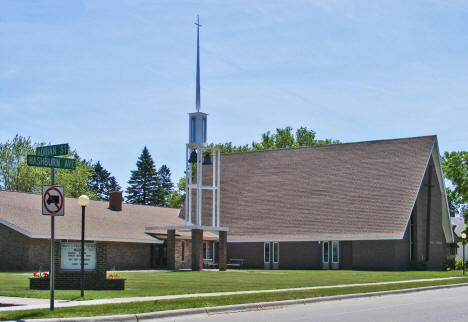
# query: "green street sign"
52,150
51,162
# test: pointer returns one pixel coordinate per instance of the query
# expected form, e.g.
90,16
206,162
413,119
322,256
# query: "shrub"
450,263
458,263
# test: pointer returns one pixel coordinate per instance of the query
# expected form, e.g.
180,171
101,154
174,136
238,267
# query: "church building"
364,205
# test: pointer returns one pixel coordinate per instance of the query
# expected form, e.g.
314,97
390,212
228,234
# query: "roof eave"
312,239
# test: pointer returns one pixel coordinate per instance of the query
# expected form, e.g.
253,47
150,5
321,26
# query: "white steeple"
197,100
198,120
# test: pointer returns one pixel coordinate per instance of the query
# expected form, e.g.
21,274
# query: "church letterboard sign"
70,256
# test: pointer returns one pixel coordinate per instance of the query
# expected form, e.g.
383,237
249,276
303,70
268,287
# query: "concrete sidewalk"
20,303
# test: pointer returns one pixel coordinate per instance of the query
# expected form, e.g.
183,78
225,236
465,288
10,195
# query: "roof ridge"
434,136
25,192
91,200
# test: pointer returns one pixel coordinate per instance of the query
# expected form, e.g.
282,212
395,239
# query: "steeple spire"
197,100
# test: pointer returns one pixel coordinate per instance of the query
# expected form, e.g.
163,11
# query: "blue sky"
110,77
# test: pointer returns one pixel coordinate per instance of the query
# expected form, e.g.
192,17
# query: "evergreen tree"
166,184
144,184
102,182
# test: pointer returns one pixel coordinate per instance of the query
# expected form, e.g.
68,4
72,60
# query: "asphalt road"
438,305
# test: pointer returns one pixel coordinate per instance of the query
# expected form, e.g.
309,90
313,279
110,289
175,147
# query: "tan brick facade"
21,253
128,256
187,262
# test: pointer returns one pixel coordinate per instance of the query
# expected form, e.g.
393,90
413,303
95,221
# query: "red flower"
45,274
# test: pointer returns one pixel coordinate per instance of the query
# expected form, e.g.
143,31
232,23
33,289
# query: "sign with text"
70,257
51,162
53,200
52,150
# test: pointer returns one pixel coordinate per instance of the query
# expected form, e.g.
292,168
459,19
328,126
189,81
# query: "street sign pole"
46,157
52,251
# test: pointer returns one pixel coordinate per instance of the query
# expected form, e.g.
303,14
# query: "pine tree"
166,184
102,182
144,184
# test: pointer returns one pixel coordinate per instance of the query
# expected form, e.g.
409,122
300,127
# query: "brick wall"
300,255
38,254
437,246
13,250
128,256
187,263
252,253
21,253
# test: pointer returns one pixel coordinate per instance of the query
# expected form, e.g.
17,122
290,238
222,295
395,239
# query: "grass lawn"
163,305
185,282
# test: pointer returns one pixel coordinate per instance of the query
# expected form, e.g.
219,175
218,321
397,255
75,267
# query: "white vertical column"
213,211
186,184
197,220
200,188
218,188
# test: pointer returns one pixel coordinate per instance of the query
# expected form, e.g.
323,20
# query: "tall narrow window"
412,235
276,252
335,250
205,251
214,252
204,129
325,252
182,251
192,129
266,252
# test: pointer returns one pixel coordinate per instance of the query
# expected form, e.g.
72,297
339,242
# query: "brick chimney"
115,200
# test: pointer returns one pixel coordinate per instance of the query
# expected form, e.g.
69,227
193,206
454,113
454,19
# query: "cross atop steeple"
197,100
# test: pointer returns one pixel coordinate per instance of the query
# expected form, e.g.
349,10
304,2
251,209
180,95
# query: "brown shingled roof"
363,190
22,212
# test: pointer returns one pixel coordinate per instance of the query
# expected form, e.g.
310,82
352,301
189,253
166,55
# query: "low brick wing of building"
366,205
25,232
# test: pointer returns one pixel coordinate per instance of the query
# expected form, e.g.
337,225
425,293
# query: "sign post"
53,197
52,246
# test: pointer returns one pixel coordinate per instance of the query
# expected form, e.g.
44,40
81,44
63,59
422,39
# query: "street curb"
242,307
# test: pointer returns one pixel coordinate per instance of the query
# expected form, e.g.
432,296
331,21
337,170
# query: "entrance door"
326,255
159,258
331,254
276,255
335,254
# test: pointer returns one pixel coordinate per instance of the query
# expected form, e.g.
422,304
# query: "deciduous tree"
177,197
282,138
455,166
16,175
